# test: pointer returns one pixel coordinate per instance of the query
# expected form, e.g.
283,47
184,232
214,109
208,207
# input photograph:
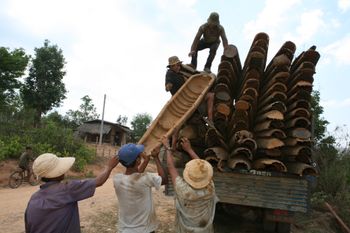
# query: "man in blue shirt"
54,208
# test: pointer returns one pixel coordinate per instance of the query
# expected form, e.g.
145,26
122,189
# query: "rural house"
112,133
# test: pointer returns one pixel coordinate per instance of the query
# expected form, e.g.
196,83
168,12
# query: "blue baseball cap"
129,152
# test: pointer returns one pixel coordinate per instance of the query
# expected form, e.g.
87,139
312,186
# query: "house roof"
93,127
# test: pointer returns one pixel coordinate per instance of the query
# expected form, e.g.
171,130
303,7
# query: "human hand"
185,144
144,156
155,151
165,142
113,162
190,54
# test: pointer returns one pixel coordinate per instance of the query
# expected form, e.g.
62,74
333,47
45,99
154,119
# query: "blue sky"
120,47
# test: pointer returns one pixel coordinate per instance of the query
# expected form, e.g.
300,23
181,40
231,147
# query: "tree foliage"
122,120
86,112
12,66
139,125
319,123
43,88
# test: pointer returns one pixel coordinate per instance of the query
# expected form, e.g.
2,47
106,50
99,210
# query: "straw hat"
50,166
198,173
173,60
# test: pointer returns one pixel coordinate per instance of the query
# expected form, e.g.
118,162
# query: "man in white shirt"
134,190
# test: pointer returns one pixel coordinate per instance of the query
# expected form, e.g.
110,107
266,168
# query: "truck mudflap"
263,189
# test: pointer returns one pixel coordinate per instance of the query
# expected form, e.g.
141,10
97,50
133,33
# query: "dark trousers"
212,52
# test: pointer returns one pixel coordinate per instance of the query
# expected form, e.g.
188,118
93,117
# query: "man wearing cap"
211,32
54,208
195,197
134,190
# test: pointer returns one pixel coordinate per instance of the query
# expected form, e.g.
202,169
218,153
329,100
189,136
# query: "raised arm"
170,160
196,41
224,38
186,145
144,163
161,172
103,176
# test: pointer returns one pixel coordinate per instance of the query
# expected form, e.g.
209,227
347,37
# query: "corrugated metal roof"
94,128
121,127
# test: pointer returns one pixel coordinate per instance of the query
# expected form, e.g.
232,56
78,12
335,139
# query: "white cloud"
344,5
345,103
274,19
310,24
113,52
339,50
273,16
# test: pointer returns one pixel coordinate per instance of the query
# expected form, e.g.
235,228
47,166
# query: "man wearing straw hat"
54,208
134,190
195,197
211,32
173,78
174,81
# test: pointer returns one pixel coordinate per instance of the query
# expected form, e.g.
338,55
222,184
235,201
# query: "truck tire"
276,227
283,227
269,226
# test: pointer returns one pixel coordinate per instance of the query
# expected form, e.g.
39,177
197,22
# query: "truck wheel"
269,226
283,227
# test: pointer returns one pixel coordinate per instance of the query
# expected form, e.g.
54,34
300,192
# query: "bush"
10,148
50,138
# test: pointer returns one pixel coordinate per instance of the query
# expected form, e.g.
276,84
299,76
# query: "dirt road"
102,205
99,213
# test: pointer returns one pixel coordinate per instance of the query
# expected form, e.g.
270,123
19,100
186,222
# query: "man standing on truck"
195,197
211,32
134,190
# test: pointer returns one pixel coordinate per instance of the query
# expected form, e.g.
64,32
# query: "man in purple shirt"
54,208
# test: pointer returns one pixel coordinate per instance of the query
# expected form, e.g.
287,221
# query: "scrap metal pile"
262,112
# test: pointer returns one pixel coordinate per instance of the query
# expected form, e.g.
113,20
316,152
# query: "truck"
261,143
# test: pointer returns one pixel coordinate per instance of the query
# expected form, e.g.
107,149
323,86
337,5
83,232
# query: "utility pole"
103,114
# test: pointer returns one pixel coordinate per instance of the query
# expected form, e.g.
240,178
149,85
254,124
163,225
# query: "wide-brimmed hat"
50,166
173,60
129,152
214,18
198,173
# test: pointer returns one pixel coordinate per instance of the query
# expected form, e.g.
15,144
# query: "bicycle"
17,177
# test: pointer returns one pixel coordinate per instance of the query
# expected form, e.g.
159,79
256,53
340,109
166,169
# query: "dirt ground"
99,213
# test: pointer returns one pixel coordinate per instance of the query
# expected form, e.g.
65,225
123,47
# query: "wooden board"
260,189
177,110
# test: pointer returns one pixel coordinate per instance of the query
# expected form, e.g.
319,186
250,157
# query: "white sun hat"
50,166
198,173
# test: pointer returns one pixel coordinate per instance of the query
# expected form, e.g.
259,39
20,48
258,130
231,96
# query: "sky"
120,48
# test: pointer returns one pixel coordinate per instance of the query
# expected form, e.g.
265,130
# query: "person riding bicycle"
25,159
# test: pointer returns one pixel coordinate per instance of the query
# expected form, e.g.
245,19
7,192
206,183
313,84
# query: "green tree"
12,66
319,123
86,112
139,125
122,120
43,89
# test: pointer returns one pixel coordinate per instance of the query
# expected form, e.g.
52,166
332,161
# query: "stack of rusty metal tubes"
262,112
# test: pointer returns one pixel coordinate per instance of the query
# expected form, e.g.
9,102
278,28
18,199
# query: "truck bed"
265,191
260,189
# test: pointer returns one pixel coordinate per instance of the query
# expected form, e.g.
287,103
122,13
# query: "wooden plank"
193,91
262,191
